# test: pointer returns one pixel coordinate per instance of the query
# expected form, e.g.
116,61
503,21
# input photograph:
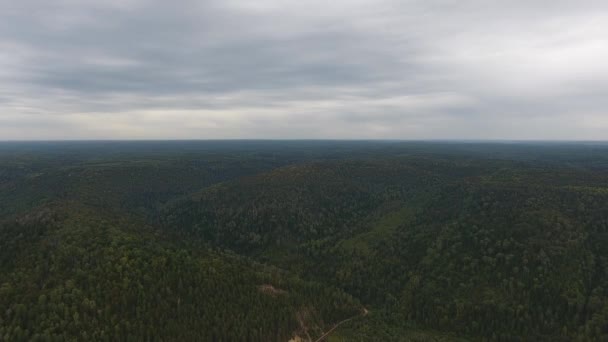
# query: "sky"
292,69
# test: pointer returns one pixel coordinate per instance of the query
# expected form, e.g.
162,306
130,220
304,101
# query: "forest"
303,240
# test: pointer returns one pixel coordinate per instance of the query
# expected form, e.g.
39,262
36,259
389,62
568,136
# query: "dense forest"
272,241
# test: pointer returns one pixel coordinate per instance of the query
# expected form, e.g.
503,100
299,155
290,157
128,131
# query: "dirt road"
364,312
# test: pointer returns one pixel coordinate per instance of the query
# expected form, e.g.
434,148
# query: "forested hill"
263,241
490,248
73,274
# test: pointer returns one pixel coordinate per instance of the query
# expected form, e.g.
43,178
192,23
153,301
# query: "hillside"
478,248
399,242
70,273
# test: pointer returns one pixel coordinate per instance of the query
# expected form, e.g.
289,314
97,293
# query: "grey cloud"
269,68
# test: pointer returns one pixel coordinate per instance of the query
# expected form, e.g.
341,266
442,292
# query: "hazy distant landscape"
269,240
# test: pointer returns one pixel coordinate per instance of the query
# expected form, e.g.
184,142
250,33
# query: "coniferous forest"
303,240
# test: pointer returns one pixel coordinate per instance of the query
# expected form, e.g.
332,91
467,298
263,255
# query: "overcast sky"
355,69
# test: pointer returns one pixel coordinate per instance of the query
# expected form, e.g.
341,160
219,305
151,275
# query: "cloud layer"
357,69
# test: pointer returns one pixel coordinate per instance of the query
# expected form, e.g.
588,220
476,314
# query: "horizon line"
308,139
